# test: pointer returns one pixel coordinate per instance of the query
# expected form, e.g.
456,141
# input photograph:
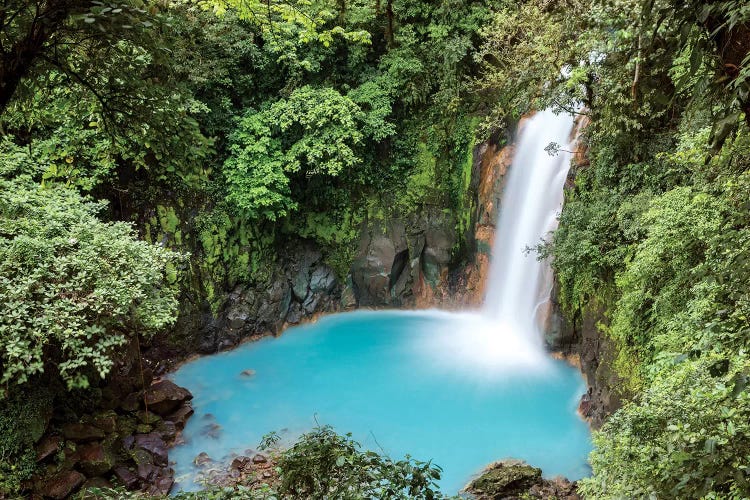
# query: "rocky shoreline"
127,442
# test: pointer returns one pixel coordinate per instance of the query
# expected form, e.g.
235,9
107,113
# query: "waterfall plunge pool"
435,385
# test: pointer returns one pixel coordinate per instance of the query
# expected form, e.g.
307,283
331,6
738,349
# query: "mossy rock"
505,479
143,428
126,425
148,418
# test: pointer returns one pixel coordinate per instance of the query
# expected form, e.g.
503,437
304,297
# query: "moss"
168,219
505,479
23,421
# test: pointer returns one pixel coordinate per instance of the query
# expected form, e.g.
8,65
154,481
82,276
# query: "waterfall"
506,338
518,282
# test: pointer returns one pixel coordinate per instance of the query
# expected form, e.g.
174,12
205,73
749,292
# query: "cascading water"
508,334
519,282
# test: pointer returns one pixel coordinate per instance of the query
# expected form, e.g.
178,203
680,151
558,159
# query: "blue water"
392,380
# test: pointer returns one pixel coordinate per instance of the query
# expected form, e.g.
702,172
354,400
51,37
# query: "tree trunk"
389,23
342,12
732,46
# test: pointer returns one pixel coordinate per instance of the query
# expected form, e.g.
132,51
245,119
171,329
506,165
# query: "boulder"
49,445
82,433
126,477
147,472
241,463
61,485
155,445
211,430
163,483
505,479
106,421
165,396
202,459
94,459
167,430
180,416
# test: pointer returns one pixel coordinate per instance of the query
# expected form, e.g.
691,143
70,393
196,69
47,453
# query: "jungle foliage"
227,129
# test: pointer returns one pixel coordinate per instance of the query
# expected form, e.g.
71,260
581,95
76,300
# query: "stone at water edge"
240,463
180,417
155,445
165,397
202,459
511,479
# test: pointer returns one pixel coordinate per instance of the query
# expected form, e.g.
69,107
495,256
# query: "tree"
36,33
314,132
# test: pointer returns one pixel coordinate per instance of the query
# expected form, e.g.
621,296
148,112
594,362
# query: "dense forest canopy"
151,149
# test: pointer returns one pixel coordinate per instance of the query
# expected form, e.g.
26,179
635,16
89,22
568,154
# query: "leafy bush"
323,464
73,289
686,436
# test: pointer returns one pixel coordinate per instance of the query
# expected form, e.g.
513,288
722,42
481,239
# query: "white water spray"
507,336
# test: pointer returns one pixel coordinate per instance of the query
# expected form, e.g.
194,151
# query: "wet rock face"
396,257
512,479
301,287
581,341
